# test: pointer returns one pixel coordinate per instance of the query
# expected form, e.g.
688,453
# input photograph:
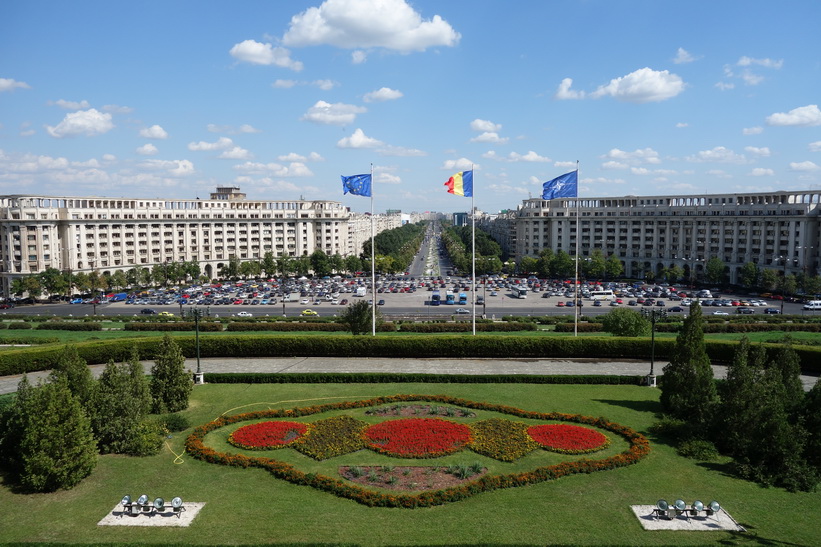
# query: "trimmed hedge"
467,327
19,326
583,327
387,378
175,326
18,361
59,325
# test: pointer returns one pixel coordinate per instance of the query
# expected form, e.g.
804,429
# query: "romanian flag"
461,184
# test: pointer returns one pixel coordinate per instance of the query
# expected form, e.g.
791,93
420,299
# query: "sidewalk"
8,384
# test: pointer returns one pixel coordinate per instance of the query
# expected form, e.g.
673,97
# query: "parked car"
462,311
308,312
165,314
744,310
244,314
76,301
148,311
380,303
773,311
719,312
676,309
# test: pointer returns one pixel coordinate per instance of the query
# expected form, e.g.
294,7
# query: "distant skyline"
171,99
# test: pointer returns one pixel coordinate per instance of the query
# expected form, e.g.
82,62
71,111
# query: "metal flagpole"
576,297
473,245
373,266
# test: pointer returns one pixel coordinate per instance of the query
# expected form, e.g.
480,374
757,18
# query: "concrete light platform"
116,517
719,522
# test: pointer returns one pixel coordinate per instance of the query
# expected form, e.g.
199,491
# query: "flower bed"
417,437
638,448
568,439
267,435
332,437
504,440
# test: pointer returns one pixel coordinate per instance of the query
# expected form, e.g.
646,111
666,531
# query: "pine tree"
687,389
75,370
12,427
811,412
358,317
117,413
57,448
171,385
738,415
140,389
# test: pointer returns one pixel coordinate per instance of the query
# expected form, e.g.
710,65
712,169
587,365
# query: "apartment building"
84,234
778,230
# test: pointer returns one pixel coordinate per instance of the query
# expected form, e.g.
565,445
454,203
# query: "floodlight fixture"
698,505
126,500
159,504
176,503
680,505
143,500
715,507
662,505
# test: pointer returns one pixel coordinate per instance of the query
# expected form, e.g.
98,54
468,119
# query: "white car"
719,312
244,314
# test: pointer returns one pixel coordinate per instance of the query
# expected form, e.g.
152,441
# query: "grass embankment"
248,506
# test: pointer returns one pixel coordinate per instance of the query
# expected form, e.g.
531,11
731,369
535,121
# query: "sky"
171,99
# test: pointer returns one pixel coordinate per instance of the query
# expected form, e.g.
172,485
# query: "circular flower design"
568,439
417,437
267,435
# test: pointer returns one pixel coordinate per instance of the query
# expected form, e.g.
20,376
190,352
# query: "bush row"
18,361
467,327
59,325
177,326
387,378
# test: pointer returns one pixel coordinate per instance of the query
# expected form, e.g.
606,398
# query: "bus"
450,298
435,298
520,292
463,299
602,295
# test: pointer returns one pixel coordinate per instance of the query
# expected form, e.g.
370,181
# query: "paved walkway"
8,384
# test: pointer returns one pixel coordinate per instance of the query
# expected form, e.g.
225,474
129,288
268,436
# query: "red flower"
417,437
570,439
267,434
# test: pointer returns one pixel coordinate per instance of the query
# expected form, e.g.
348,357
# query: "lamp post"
653,316
198,376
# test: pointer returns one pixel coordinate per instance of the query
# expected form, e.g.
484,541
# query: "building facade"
777,230
85,234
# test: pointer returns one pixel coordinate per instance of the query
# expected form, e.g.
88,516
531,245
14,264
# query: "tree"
359,316
674,273
528,265
12,427
285,265
231,270
596,265
353,264
811,413
715,270
337,263
320,264
563,265
119,280
74,369
54,281
613,268
171,385
768,279
117,414
749,275
269,264
624,322
544,263
687,389
57,448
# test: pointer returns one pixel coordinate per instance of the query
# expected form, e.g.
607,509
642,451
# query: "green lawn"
248,506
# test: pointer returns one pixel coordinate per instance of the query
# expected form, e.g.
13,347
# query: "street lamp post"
198,376
653,316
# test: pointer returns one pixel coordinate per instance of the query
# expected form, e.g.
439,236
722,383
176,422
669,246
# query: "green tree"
787,284
336,263
250,268
749,275
625,322
563,265
285,265
54,281
269,264
353,264
716,270
528,265
320,263
12,427
74,370
613,268
119,279
359,317
231,270
544,263
687,389
768,279
171,385
117,414
596,265
811,414
674,273
57,448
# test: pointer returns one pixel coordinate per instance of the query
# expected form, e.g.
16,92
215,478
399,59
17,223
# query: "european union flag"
565,186
358,185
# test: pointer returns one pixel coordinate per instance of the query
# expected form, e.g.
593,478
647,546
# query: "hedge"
20,360
387,378
175,326
59,325
467,327
582,327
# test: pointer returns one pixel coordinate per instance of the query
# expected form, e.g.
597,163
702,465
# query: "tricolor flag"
358,185
565,186
461,184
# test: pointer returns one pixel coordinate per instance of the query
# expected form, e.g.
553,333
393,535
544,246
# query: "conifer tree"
140,389
117,413
12,427
57,448
171,385
811,412
687,389
75,370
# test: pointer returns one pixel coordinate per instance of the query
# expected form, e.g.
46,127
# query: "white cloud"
257,53
174,167
804,116
333,114
719,154
147,149
724,86
401,151
642,86
485,125
458,165
84,122
70,105
387,178
766,63
231,130
324,85
117,109
236,153
752,130
358,57
530,156
755,151
638,156
295,169
284,84
761,172
490,137
751,78
719,173
815,146
382,94
293,156
357,24
221,144
153,132
9,84
681,125
805,166
358,140
564,92
614,165
683,56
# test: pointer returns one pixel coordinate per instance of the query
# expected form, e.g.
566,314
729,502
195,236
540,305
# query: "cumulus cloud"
358,57
70,105
333,114
324,85
84,122
177,168
221,144
154,132
359,140
400,151
117,109
292,157
514,157
681,125
235,153
490,137
642,86
295,169
755,151
752,130
638,156
805,166
9,84
258,53
459,165
815,146
761,172
766,63
382,94
358,24
683,56
147,149
564,92
485,125
231,130
719,154
804,116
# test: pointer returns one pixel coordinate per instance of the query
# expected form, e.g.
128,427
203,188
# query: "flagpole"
578,236
473,245
373,266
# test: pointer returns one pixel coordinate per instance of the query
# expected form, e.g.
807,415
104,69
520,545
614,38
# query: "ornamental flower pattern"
417,437
267,435
568,439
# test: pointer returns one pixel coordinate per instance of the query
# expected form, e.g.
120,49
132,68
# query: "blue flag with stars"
564,186
358,185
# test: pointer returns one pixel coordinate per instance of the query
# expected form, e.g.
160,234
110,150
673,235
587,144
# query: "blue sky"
170,99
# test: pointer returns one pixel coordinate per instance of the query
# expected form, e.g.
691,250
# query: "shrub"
175,422
56,325
19,325
697,449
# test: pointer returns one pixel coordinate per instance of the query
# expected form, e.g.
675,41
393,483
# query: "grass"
247,506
